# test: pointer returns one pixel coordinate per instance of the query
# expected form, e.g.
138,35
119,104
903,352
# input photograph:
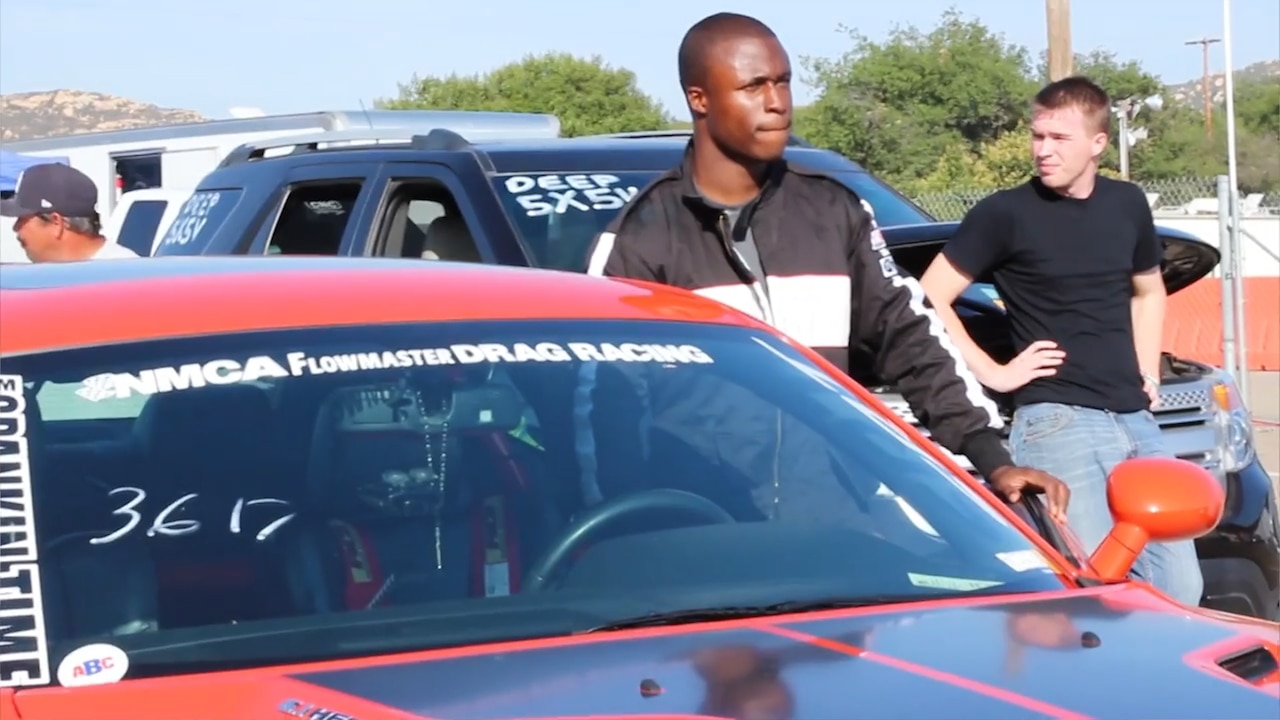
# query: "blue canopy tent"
12,164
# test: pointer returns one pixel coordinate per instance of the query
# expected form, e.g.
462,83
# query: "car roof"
58,305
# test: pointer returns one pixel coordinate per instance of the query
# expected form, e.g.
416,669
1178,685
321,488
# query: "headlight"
1234,427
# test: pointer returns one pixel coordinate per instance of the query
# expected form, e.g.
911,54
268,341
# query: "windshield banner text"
226,371
24,648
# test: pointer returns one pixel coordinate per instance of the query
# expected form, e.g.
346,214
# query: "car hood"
1119,651
1186,257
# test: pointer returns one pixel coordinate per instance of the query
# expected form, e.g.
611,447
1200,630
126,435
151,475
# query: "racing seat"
366,553
88,589
214,446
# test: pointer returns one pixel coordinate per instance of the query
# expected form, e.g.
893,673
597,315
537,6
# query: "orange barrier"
1193,322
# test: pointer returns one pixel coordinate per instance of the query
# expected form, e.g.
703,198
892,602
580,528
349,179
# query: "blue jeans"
1081,446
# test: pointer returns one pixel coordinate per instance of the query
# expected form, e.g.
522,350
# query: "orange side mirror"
1155,500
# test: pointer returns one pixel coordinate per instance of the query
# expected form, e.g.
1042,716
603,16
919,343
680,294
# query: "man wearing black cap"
57,216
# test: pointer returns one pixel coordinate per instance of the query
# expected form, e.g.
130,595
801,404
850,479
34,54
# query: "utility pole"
1124,109
1204,44
1058,19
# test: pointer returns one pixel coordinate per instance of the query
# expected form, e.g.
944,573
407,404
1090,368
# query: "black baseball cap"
52,188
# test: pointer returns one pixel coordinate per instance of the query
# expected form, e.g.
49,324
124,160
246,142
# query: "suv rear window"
558,214
198,221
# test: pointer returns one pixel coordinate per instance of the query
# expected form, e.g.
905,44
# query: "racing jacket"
829,283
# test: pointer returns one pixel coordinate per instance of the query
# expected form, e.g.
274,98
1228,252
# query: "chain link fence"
1178,195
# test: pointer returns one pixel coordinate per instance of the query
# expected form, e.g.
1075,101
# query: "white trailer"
175,158
179,156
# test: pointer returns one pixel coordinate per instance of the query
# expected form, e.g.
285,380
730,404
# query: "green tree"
1003,162
947,108
1120,78
1006,160
957,169
588,96
1258,162
898,105
1177,147
1258,106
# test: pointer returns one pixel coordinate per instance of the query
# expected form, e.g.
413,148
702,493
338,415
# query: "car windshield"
557,215
285,496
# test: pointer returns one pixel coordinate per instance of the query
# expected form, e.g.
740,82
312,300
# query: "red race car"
377,489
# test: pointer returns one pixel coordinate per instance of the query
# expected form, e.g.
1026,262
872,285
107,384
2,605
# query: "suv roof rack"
793,141
439,139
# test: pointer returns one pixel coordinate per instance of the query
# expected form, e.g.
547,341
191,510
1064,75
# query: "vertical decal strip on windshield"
24,647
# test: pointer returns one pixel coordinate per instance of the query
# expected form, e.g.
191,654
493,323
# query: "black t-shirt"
1064,268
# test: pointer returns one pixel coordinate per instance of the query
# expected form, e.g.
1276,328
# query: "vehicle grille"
1185,414
1177,401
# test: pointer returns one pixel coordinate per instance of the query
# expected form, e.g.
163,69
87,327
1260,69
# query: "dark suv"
539,203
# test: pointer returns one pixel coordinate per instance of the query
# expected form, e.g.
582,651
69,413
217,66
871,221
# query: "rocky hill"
1192,91
26,116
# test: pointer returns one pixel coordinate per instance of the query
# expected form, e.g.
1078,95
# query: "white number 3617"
163,525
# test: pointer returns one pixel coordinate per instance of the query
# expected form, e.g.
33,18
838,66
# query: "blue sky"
331,54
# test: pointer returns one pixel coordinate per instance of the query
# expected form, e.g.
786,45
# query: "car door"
321,209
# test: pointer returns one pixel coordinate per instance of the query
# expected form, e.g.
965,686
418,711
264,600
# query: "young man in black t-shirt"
1076,259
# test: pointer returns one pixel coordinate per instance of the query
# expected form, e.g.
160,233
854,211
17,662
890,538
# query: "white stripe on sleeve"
973,388
600,254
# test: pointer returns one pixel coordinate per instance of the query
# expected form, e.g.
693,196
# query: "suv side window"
313,218
141,224
424,221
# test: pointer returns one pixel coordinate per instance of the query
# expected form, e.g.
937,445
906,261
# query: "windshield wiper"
735,612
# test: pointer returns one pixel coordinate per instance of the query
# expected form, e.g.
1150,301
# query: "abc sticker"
96,664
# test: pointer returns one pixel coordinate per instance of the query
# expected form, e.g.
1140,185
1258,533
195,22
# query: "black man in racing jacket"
736,223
